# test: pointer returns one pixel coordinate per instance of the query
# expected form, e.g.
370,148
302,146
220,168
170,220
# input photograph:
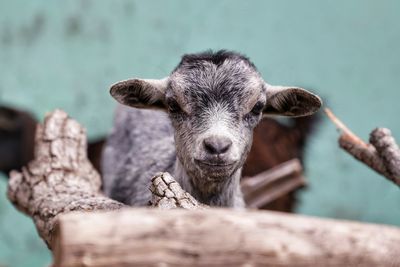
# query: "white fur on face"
218,123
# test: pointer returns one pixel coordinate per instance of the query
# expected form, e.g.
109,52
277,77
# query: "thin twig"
344,129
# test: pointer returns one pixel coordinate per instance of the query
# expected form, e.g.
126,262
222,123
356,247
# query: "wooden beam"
219,237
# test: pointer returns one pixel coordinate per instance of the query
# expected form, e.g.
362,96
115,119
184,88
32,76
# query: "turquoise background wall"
65,54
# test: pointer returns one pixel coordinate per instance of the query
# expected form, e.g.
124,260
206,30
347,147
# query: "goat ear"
140,93
290,101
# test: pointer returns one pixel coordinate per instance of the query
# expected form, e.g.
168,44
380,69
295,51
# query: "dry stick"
267,186
375,155
388,150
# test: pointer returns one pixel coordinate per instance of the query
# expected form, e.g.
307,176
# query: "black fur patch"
216,58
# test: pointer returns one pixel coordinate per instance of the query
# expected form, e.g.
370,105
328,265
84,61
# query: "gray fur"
217,97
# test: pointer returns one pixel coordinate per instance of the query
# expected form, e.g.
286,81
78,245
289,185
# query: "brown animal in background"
275,143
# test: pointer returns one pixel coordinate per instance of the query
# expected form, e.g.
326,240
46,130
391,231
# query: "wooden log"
60,178
268,186
219,237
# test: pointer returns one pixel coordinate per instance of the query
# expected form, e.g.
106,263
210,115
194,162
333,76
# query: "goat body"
201,132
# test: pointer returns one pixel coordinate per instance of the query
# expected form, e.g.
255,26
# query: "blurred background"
65,54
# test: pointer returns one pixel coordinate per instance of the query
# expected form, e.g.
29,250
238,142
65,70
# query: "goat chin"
217,173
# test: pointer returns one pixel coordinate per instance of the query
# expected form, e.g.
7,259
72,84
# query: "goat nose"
217,145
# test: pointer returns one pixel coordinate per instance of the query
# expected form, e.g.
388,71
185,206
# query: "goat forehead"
204,82
214,116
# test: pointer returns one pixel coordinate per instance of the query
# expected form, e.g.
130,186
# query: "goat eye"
257,109
173,106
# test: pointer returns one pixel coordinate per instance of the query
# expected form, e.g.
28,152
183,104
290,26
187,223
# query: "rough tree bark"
217,237
61,180
382,154
168,194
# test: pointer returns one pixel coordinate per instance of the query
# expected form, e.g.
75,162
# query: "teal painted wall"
65,54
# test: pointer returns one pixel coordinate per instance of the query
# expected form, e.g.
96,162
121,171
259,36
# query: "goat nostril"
217,145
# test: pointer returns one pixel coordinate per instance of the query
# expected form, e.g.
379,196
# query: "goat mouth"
210,164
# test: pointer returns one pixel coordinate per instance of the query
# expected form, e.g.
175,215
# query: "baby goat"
196,124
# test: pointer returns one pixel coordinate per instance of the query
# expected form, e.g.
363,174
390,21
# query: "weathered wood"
365,153
270,185
168,194
382,154
388,151
60,178
218,237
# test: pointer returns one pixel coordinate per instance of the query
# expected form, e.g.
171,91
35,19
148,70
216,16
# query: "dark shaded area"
17,130
273,144
95,148
217,58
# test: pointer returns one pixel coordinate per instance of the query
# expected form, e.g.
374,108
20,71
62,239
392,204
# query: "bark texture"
382,154
60,179
388,151
220,237
366,153
168,194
